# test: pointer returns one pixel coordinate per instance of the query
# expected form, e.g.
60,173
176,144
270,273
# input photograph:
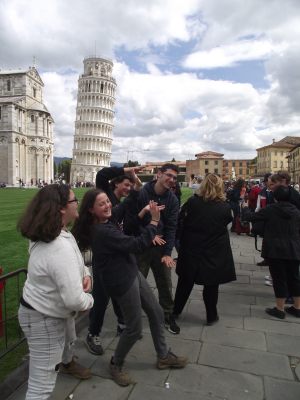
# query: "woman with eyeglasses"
205,256
55,289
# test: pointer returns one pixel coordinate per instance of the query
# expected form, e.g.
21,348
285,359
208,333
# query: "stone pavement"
246,356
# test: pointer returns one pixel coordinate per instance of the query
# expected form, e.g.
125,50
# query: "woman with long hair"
205,256
114,261
55,289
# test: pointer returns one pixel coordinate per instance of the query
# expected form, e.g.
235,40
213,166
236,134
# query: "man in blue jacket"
158,257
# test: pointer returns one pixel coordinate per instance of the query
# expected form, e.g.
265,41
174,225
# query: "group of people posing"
130,229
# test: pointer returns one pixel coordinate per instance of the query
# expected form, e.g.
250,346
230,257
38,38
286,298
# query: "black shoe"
262,263
289,300
94,346
171,325
293,311
274,312
213,321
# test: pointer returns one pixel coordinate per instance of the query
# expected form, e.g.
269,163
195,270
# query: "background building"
233,169
26,129
206,162
274,157
94,120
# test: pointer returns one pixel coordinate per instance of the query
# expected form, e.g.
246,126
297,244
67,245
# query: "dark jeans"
285,276
151,258
210,297
101,300
140,296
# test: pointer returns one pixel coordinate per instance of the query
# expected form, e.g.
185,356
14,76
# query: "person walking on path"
205,256
55,289
113,258
282,249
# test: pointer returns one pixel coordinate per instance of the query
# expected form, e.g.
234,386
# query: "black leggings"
101,300
210,297
285,276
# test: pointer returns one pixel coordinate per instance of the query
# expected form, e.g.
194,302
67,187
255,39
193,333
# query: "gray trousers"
50,341
138,297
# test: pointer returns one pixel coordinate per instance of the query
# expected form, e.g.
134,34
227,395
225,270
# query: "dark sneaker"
75,369
120,376
213,321
274,312
94,346
293,311
171,361
262,263
171,325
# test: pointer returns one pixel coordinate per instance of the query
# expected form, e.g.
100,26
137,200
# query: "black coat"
281,230
205,254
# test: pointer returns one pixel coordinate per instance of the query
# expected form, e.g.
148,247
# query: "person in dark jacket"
117,183
114,260
281,249
205,256
234,197
158,256
283,178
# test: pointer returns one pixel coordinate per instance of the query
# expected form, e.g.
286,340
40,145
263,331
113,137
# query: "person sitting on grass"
114,261
282,250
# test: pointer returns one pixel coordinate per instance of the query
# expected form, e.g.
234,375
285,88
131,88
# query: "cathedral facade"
26,129
94,120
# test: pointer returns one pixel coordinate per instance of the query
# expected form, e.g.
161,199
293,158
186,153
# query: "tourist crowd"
130,229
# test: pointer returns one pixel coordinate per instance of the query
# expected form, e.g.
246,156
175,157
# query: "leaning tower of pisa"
94,120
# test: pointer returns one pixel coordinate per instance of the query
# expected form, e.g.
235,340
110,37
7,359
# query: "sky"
192,75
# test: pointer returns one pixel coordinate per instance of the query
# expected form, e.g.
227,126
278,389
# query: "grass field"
14,255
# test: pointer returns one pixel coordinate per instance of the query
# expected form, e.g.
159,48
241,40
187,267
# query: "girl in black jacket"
114,260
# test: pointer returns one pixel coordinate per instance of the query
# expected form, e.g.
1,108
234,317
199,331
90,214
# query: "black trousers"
101,300
210,297
285,276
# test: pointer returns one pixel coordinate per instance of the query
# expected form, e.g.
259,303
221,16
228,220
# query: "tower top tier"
95,66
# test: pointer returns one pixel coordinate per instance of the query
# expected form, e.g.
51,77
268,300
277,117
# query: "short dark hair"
281,193
82,228
280,176
42,220
173,167
267,176
119,179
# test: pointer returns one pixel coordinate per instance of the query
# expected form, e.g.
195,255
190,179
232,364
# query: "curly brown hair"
42,220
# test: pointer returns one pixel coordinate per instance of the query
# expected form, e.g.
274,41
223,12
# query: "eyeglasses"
171,176
74,200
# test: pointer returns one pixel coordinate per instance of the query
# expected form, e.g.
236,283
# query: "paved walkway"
246,356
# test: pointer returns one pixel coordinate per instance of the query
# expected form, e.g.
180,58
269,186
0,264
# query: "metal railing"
11,334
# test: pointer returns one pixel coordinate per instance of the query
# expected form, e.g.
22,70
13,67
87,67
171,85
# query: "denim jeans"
138,297
50,341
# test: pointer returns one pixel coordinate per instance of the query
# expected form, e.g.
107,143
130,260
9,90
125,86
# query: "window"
206,170
241,163
275,153
0,112
216,162
233,163
275,164
9,85
241,171
206,162
216,171
281,153
32,118
34,92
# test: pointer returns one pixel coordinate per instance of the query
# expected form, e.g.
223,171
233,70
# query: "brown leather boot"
75,369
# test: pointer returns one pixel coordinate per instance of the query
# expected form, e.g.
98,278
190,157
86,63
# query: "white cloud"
159,114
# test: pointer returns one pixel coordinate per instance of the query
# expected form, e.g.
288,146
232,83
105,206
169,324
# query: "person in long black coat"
205,256
281,249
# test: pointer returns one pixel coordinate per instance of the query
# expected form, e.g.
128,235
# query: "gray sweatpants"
140,296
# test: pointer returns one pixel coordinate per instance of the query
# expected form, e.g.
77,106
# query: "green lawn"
13,256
